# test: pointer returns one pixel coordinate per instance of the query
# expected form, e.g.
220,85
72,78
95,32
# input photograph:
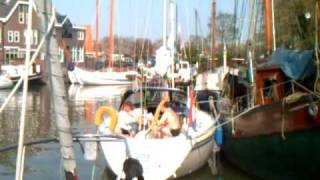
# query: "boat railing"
266,95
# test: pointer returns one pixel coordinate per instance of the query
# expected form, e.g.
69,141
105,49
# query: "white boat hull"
158,160
165,158
78,92
83,77
198,156
5,82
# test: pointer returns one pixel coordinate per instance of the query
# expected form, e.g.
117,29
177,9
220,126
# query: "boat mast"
97,28
164,26
213,35
111,40
268,26
172,39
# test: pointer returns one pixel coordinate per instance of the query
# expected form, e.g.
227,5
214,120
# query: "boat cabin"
269,82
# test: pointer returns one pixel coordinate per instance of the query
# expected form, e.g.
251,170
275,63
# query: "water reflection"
43,161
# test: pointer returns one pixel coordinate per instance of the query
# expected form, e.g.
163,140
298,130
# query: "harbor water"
43,161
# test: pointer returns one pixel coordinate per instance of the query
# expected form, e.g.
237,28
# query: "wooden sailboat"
80,76
275,128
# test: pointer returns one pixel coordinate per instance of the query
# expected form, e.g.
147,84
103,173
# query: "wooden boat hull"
271,142
271,157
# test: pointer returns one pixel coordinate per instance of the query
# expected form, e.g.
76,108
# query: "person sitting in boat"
169,124
130,119
127,123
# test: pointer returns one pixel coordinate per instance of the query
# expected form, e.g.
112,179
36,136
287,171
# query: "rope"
21,147
316,48
283,119
146,29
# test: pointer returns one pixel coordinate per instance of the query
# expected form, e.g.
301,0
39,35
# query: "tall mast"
164,27
268,25
213,34
111,40
172,38
196,17
97,28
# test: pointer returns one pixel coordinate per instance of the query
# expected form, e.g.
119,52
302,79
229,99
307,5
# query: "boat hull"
271,157
276,142
201,151
83,77
158,160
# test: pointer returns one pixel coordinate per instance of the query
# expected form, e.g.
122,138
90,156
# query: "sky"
141,18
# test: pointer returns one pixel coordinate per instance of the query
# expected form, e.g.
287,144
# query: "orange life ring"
111,112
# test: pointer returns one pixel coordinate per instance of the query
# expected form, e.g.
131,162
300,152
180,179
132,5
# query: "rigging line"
147,25
235,23
135,29
21,147
188,29
316,46
242,17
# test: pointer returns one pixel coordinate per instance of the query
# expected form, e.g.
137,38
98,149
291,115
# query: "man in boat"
130,119
169,124
128,124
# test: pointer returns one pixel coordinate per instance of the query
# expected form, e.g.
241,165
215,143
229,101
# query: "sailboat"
164,158
212,79
160,158
274,124
77,75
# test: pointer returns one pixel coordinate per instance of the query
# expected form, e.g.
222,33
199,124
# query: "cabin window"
16,36
268,91
10,36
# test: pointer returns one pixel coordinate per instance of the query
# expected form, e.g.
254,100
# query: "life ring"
111,112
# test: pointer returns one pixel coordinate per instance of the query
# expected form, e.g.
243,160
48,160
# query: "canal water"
43,161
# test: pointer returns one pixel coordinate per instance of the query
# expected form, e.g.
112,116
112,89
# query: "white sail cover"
163,61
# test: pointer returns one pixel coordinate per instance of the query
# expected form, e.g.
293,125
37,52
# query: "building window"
81,55
35,37
22,54
10,36
61,55
21,14
73,54
80,35
16,36
11,54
